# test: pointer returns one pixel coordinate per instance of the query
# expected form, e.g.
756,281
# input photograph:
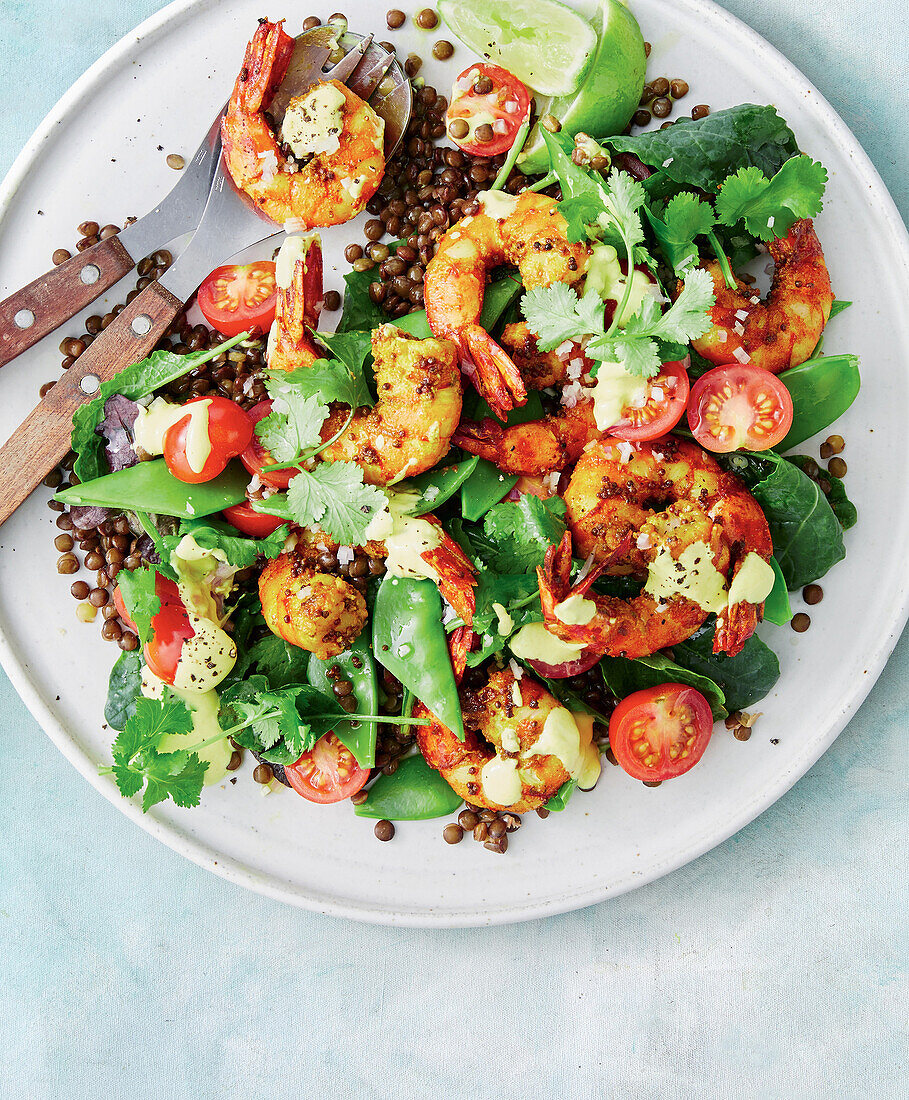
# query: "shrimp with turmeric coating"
323,613
520,746
336,156
308,607
527,231
418,384
535,447
784,329
706,550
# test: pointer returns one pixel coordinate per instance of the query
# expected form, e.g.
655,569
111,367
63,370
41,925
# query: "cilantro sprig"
294,716
333,497
556,314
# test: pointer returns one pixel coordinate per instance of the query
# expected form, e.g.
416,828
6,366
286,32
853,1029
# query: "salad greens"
138,380
723,185
414,792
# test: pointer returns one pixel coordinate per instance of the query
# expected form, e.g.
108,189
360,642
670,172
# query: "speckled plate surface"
101,154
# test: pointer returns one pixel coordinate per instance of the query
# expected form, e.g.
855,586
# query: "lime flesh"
544,43
610,92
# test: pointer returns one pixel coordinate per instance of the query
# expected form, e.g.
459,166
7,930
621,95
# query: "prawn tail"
297,310
460,643
734,626
554,576
497,379
457,576
485,438
264,66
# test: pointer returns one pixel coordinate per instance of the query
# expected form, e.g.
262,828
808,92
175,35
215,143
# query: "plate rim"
234,870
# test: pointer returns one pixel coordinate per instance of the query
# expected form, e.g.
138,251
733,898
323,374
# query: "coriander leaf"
241,553
163,546
293,425
278,661
328,379
333,497
137,587
626,198
521,532
129,782
769,208
174,775
137,380
580,212
352,349
555,314
152,720
689,315
640,357
684,218
702,153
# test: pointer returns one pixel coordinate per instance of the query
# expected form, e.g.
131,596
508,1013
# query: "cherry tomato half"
256,456
171,629
329,772
236,298
490,97
667,396
230,430
255,524
660,732
585,660
166,591
739,405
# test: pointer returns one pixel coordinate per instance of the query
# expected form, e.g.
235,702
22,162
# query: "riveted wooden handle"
43,438
37,309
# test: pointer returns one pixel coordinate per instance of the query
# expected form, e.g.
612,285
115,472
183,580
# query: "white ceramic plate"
100,154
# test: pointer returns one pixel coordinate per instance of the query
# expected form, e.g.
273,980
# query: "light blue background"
772,967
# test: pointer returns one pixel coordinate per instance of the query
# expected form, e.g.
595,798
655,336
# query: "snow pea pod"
408,639
151,487
822,390
436,486
357,666
414,792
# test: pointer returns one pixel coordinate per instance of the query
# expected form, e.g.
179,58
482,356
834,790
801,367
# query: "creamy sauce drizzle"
575,611
562,736
204,711
534,642
693,576
754,581
152,424
313,122
406,537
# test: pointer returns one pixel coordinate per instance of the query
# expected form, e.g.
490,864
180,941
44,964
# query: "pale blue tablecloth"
772,967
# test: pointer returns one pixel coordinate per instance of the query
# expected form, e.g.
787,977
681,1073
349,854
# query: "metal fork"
230,222
50,300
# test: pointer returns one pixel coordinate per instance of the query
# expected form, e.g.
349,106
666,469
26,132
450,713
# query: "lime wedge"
544,43
609,95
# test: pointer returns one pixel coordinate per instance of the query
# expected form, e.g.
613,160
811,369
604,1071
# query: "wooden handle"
37,309
43,438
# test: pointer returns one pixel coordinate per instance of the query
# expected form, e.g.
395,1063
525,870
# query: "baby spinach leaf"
743,679
520,532
123,688
702,153
776,607
559,800
822,389
623,677
843,508
213,534
414,792
807,536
